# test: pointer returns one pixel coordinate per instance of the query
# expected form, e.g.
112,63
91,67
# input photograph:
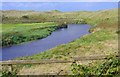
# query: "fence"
74,59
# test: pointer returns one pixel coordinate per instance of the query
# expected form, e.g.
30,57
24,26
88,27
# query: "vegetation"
19,33
73,48
93,18
9,74
108,68
102,40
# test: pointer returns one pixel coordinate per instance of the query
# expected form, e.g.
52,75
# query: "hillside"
13,16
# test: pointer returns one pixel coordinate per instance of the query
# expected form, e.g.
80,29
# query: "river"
61,36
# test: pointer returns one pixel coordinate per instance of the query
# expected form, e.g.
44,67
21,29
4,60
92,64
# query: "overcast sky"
62,6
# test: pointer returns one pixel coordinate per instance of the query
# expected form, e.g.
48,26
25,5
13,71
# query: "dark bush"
25,17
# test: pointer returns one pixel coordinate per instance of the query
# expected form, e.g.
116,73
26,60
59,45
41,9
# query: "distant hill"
55,11
14,16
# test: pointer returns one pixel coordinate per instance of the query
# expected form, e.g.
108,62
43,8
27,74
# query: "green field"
25,26
19,33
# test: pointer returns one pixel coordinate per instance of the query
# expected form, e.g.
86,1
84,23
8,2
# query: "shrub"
25,16
9,74
109,67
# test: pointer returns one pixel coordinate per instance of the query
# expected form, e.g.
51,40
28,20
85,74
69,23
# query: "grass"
102,40
19,33
77,47
108,67
25,26
68,17
105,27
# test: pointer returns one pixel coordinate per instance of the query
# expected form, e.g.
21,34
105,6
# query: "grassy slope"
70,17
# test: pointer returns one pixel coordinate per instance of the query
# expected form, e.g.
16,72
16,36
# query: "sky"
59,0
62,6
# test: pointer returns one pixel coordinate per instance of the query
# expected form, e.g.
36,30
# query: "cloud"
60,0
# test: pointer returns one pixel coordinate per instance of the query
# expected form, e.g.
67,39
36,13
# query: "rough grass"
102,41
19,33
88,45
105,27
93,18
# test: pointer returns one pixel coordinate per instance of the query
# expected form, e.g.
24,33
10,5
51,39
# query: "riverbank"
19,33
105,27
102,41
58,37
86,45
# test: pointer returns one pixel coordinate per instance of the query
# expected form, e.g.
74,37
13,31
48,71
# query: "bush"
26,17
9,74
109,67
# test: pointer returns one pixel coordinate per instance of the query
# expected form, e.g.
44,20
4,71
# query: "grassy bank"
102,41
104,29
88,45
19,33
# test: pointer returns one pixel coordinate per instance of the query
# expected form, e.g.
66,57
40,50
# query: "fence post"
10,67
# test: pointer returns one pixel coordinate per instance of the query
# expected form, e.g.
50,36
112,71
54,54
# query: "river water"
61,36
